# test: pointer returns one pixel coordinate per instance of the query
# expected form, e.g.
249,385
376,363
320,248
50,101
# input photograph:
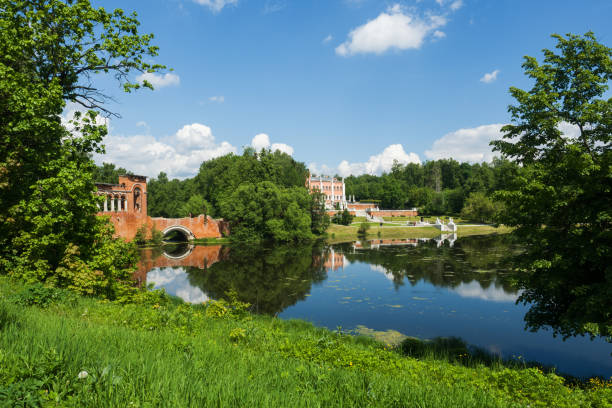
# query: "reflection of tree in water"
270,279
480,258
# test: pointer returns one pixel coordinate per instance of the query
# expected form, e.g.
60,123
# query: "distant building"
334,190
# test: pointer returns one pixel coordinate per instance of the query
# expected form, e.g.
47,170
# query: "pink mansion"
333,189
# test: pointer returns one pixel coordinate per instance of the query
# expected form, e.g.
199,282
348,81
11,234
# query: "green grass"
340,233
175,355
457,220
211,241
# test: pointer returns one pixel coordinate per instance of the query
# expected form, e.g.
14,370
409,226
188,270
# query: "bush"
479,208
363,229
343,218
141,235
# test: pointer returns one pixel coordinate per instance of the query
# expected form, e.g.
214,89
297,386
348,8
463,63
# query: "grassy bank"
340,233
210,241
165,354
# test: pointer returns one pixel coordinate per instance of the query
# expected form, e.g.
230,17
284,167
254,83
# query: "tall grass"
173,355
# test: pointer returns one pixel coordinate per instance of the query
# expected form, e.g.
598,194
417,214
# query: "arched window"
137,199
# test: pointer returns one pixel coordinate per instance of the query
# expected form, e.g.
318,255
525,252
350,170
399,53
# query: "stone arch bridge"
126,206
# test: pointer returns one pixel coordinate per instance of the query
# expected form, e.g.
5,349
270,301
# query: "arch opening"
177,250
177,233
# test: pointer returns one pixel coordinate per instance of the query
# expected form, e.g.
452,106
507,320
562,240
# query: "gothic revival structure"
334,190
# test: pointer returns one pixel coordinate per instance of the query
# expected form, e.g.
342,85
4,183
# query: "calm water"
421,288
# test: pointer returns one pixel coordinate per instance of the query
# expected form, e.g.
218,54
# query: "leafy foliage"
264,211
435,187
479,208
561,204
49,53
343,217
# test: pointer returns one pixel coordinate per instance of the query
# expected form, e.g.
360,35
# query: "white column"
112,203
105,203
343,193
333,196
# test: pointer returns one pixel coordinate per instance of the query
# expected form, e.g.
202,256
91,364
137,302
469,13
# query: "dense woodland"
435,187
261,194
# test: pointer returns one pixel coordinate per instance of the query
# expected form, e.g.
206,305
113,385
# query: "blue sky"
346,86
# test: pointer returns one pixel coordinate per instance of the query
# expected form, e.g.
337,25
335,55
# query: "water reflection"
420,287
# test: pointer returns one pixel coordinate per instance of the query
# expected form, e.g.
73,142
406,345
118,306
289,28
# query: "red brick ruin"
126,207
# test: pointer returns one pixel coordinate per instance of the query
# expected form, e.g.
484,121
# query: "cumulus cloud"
262,141
216,5
178,155
328,39
489,77
376,164
470,145
394,29
159,81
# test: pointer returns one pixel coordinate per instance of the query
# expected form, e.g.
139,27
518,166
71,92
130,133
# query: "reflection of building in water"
331,261
197,256
377,243
334,260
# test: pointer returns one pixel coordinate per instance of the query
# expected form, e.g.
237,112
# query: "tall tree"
50,51
561,205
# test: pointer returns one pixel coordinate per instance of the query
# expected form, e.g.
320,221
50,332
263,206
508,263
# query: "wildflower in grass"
83,375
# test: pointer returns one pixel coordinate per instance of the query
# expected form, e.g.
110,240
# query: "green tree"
319,219
49,54
195,206
561,203
267,212
343,217
108,173
479,208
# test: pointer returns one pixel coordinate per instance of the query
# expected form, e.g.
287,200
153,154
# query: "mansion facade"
331,187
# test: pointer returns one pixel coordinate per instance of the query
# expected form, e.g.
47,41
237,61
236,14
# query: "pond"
425,288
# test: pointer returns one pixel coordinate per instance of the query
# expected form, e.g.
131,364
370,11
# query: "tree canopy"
50,52
560,133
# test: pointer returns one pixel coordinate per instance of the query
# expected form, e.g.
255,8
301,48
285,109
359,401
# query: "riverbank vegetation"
63,350
340,233
50,54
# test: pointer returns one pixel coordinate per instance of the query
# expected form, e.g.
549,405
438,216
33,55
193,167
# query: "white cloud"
470,145
219,99
393,29
456,5
262,141
490,77
282,147
439,34
376,164
179,155
141,123
328,39
159,81
492,293
216,5
175,281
